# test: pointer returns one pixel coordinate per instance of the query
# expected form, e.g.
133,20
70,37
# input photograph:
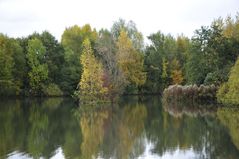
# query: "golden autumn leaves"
92,87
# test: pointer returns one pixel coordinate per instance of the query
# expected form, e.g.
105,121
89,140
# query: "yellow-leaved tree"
176,74
91,87
130,60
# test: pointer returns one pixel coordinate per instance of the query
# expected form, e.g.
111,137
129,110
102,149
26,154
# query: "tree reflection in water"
131,129
193,125
230,118
110,131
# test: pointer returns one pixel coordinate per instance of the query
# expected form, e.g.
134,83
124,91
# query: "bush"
190,92
211,78
8,88
190,100
52,90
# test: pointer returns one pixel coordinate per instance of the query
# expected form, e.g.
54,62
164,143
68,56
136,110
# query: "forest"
105,64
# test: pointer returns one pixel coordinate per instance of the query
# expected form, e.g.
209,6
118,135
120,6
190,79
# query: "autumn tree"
38,73
182,44
176,72
90,87
165,73
130,60
114,78
72,41
132,32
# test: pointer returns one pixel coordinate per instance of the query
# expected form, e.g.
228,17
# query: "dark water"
135,128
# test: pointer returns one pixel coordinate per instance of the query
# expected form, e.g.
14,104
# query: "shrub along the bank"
52,90
191,100
191,93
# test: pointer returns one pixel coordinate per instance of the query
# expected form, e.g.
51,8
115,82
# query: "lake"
136,127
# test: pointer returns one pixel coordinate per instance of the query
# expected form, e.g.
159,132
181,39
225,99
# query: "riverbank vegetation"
229,91
108,63
191,94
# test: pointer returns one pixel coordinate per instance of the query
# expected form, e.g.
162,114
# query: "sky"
23,17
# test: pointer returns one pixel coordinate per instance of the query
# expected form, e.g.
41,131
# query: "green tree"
198,64
20,67
72,41
158,57
12,64
54,56
73,37
38,73
213,52
228,93
91,88
153,63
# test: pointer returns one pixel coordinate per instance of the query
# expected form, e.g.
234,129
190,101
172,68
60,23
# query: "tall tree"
202,58
158,58
38,73
6,65
165,73
182,51
91,88
20,67
54,56
106,51
130,60
132,32
176,72
72,41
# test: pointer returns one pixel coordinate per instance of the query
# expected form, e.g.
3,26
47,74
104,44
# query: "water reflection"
196,127
178,108
35,128
112,132
57,128
230,118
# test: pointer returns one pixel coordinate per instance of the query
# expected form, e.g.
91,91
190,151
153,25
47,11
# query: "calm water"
135,128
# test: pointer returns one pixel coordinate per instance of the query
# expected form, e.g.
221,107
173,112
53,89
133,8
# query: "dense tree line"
116,61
